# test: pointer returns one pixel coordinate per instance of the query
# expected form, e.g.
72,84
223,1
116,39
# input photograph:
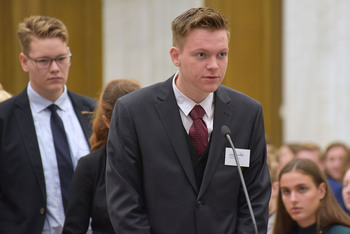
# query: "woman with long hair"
87,195
305,204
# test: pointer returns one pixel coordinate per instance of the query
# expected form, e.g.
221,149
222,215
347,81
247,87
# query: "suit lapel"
84,115
169,115
222,116
25,122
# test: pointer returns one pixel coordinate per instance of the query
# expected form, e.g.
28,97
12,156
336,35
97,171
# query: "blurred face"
48,82
285,156
334,162
202,62
346,189
301,197
312,155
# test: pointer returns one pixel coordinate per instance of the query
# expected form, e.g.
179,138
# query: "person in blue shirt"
335,157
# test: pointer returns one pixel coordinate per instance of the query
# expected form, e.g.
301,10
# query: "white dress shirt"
78,147
186,105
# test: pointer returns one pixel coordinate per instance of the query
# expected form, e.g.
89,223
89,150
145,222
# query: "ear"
174,54
322,190
68,49
106,121
24,62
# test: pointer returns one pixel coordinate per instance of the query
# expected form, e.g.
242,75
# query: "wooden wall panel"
254,66
83,19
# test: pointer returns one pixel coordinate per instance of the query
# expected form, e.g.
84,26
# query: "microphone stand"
226,132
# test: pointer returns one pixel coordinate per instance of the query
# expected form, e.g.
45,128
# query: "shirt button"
42,211
199,204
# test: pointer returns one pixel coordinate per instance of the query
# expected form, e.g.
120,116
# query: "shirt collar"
39,103
186,104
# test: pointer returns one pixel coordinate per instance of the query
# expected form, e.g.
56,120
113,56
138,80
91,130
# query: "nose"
293,197
54,66
212,63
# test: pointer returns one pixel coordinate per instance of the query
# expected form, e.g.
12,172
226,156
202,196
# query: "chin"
57,87
211,89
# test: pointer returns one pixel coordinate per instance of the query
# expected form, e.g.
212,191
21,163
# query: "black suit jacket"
22,182
87,196
150,181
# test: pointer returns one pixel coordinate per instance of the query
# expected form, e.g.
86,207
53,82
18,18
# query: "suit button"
199,204
42,211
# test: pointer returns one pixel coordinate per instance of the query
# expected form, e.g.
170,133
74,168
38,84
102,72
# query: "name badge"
243,156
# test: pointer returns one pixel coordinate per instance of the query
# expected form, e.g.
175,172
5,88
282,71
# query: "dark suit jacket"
22,182
87,196
150,181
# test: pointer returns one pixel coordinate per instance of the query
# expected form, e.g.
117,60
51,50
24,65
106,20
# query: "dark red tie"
198,131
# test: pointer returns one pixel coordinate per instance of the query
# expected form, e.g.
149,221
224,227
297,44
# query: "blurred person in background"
4,94
272,163
312,152
87,195
286,153
346,189
335,158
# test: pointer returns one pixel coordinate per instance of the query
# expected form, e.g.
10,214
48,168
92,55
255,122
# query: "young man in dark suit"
44,131
168,171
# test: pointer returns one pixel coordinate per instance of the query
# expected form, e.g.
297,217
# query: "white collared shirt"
77,143
186,105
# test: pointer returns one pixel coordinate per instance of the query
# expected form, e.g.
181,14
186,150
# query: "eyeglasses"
46,62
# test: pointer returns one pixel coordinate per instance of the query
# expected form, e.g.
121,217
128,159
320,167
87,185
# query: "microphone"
227,133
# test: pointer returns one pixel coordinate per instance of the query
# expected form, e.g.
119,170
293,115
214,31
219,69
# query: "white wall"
316,78
137,38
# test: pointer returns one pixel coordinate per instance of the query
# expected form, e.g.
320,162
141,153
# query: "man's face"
202,62
312,155
48,82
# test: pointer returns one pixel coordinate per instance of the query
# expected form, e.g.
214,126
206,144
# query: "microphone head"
225,130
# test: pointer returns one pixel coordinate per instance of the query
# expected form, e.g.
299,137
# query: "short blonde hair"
205,18
40,27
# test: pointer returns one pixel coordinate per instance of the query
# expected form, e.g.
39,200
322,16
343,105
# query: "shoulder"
235,95
18,101
91,168
7,104
149,94
93,159
337,229
237,100
82,100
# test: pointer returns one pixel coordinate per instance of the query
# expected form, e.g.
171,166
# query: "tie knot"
197,112
53,108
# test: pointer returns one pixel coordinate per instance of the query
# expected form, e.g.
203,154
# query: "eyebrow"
298,185
44,57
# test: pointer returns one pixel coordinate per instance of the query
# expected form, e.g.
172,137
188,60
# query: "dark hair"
329,211
112,91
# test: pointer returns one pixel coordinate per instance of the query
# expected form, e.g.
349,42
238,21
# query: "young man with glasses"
44,131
